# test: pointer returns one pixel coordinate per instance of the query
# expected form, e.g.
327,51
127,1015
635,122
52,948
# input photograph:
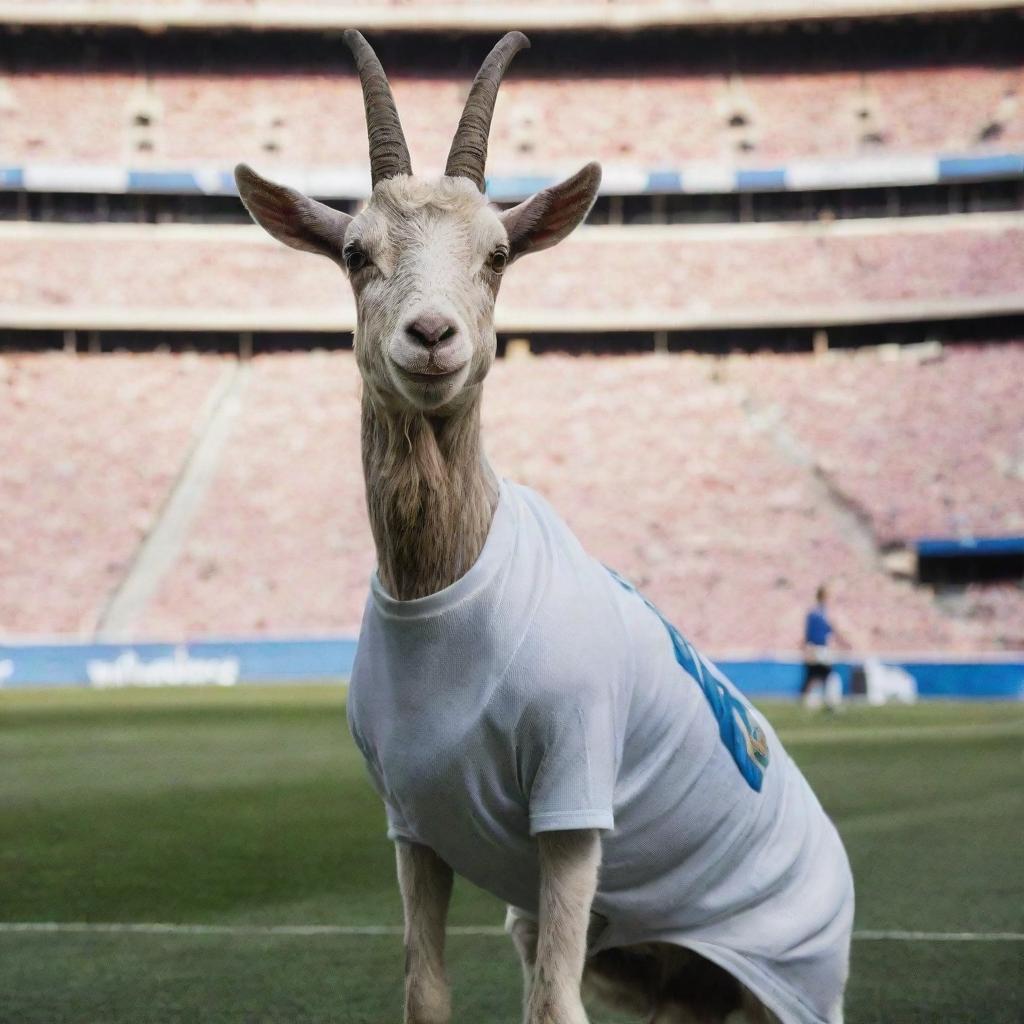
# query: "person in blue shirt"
818,632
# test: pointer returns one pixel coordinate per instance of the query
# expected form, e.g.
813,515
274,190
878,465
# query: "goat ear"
549,215
291,217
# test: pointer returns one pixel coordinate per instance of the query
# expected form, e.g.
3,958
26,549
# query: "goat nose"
430,329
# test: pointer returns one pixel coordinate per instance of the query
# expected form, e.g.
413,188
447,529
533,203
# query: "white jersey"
542,692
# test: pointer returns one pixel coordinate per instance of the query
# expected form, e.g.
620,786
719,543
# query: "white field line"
247,930
869,935
131,928
791,736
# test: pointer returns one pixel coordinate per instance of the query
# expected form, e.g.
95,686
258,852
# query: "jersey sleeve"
569,758
397,827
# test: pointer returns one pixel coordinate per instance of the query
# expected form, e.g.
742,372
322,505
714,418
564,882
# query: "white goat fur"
430,248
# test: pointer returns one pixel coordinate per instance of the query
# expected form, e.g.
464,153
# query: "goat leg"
426,885
568,880
523,930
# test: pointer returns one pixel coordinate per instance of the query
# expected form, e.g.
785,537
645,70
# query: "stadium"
785,350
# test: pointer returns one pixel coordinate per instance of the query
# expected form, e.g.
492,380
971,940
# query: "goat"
529,719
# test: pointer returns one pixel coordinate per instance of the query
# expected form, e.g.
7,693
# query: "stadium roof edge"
270,15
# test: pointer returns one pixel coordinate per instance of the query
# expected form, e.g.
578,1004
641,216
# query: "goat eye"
499,260
355,259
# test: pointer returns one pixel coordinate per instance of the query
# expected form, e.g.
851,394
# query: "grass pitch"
249,808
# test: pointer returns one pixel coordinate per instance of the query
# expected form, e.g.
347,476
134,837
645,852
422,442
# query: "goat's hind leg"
624,978
753,1011
668,984
705,993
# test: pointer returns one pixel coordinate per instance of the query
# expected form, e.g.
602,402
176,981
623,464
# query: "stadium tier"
89,450
291,486
659,468
235,278
678,470
875,428
655,117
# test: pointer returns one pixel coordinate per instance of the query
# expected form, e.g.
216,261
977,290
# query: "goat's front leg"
568,880
426,884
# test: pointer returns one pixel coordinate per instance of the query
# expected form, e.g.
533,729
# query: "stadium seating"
975,106
924,449
656,462
656,466
88,452
602,278
669,468
664,118
283,544
998,610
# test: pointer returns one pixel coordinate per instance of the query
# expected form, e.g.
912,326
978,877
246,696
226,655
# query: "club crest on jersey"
753,736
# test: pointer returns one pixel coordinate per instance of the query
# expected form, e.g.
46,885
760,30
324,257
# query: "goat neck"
430,492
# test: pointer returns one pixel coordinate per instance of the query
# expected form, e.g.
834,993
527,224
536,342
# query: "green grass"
250,806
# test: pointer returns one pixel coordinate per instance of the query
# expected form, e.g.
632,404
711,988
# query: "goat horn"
389,155
468,155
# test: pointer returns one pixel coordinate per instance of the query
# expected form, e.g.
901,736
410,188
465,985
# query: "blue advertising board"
325,659
198,663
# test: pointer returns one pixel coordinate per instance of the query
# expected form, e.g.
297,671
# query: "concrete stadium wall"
231,662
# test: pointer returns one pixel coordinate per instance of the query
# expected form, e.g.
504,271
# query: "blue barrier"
255,661
517,187
993,680
989,679
199,663
665,181
176,182
972,168
953,547
760,179
352,183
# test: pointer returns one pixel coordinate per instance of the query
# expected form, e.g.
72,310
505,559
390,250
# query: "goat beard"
430,495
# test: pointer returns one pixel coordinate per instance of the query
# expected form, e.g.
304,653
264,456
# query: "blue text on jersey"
743,737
